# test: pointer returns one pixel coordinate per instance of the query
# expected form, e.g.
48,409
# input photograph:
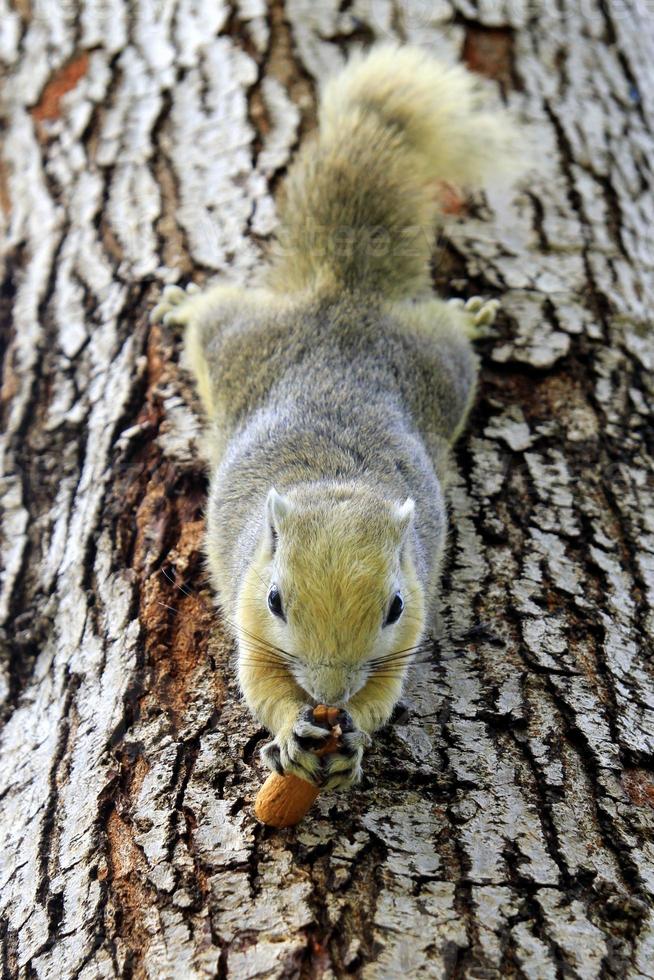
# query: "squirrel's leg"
209,315
439,373
192,304
201,312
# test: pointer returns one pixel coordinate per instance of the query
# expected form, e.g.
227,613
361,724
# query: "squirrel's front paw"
171,307
295,750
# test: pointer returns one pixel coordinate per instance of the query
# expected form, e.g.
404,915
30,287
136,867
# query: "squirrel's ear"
404,517
277,508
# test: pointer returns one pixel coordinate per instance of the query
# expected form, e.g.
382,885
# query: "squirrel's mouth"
334,700
331,685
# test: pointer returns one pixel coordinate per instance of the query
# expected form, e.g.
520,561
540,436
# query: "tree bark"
504,825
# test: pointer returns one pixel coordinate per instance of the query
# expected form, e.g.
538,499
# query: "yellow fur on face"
337,575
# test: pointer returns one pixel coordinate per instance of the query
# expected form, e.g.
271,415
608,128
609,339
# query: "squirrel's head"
332,596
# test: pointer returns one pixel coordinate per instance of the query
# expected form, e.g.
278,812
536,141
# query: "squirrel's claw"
294,751
485,312
285,755
271,757
343,769
310,735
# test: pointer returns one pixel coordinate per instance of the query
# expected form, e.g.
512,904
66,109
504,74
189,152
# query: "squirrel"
333,392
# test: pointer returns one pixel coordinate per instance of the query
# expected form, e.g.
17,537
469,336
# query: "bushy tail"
360,201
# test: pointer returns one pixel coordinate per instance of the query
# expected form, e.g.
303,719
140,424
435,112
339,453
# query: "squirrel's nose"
335,699
328,686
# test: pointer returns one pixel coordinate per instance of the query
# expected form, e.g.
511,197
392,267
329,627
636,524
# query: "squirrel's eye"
395,610
275,602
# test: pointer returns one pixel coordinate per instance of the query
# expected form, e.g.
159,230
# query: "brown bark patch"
177,621
450,199
5,200
130,898
639,786
156,359
124,856
489,51
189,628
159,531
24,9
49,105
10,383
283,65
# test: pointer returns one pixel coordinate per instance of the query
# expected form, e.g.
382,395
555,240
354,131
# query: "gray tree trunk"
504,827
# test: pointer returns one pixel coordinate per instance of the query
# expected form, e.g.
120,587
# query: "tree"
504,825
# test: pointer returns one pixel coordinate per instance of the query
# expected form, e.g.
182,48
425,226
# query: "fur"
333,395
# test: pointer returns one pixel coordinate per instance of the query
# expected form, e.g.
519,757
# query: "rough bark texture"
504,827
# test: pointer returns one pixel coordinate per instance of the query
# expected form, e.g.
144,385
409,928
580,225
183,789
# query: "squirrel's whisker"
166,606
264,660
408,652
250,648
172,581
259,639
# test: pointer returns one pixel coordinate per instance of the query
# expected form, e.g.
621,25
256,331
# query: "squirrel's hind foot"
479,314
170,310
